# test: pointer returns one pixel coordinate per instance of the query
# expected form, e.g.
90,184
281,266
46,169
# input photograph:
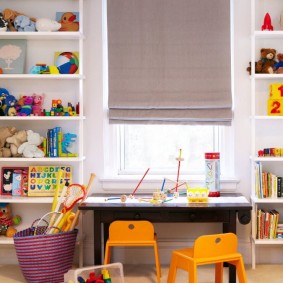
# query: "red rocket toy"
267,23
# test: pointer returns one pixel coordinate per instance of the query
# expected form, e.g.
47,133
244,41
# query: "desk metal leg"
231,227
97,238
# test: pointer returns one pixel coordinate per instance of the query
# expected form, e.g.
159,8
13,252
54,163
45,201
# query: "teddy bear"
30,148
7,221
278,67
267,61
5,132
15,141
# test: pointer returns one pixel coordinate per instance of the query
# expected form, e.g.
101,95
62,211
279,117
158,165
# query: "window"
157,146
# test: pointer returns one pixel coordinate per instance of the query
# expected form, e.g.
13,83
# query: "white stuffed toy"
30,148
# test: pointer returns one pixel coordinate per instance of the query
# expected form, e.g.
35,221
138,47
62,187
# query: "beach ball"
67,63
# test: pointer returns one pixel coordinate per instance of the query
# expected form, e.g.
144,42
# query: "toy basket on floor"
44,258
115,273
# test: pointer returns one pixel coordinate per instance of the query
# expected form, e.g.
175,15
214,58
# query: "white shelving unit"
41,48
266,131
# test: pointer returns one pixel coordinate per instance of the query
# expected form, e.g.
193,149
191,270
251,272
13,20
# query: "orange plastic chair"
209,249
132,233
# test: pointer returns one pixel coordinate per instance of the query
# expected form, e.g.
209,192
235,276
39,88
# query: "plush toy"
68,22
47,25
24,23
25,106
7,221
5,132
267,61
3,23
10,105
278,67
9,15
30,148
38,100
15,141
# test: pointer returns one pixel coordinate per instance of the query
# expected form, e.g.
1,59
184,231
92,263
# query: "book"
11,180
42,180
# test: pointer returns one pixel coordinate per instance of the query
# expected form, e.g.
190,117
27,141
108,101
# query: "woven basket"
45,258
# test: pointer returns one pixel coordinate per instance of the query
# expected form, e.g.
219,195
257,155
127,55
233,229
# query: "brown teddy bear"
15,141
5,132
267,61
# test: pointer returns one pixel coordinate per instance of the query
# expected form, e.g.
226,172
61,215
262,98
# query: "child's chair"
132,233
209,249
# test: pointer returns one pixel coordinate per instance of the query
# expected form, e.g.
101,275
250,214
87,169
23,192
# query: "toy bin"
112,272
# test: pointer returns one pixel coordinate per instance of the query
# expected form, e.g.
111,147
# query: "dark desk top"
105,202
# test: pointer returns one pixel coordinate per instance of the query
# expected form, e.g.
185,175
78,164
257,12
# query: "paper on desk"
239,199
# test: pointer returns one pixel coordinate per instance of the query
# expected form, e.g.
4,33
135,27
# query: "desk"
225,209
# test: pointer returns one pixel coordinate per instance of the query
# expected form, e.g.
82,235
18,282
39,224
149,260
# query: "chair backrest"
123,230
215,245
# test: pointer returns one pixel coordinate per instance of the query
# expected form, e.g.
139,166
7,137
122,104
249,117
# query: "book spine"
279,184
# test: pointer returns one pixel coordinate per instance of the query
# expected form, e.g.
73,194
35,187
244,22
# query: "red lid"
212,155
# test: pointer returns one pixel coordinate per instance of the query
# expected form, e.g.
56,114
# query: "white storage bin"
115,271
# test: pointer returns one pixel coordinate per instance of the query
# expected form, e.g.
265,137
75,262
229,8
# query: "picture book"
14,181
42,180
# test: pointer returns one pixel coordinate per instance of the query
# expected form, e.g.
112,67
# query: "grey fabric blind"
169,61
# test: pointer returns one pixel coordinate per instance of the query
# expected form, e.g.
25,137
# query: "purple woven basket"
45,258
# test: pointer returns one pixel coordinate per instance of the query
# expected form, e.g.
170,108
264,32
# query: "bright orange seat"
132,233
209,249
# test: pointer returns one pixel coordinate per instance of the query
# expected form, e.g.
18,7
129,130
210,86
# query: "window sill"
126,184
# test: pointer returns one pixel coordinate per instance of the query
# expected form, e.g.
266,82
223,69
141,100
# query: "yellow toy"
275,100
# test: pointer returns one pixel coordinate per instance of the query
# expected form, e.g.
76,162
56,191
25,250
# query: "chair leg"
172,269
219,272
107,255
157,263
193,274
241,271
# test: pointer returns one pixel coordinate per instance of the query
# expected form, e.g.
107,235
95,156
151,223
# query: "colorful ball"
67,63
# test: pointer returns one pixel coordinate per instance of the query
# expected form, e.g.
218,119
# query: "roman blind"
169,61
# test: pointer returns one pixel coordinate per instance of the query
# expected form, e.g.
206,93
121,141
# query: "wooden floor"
146,274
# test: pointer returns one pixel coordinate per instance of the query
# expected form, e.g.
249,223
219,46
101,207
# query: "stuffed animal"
30,148
278,67
68,22
10,105
15,141
7,221
38,100
5,132
24,23
3,23
25,106
47,25
9,15
267,61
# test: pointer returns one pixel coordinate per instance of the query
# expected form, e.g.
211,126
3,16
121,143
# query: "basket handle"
46,222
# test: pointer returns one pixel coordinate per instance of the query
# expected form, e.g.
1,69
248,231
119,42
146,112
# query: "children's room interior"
141,141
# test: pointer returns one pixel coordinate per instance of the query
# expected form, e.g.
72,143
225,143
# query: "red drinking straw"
140,182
